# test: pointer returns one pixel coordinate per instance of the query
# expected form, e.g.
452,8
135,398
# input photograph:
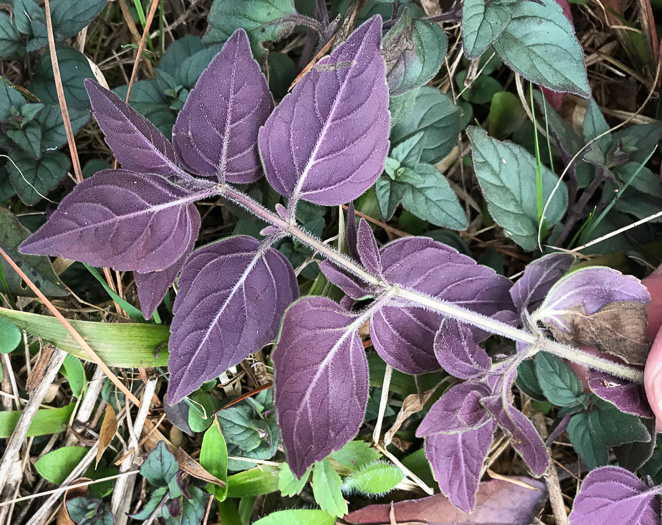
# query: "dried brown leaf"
107,433
618,328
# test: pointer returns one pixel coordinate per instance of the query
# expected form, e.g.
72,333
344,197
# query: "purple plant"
428,306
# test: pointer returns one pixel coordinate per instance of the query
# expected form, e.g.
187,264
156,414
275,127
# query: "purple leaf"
538,278
602,307
321,380
456,461
524,438
457,410
177,414
367,248
614,495
135,141
327,140
232,295
457,350
628,397
121,219
404,334
215,135
152,286
351,285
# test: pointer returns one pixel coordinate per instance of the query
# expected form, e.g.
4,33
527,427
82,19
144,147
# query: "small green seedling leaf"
10,336
376,478
558,381
326,489
59,463
297,517
160,466
288,484
214,459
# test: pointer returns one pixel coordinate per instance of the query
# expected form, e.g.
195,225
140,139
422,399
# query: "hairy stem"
451,310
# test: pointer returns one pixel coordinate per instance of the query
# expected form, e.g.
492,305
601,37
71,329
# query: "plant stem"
431,303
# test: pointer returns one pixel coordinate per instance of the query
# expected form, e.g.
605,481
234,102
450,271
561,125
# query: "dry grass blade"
83,344
141,46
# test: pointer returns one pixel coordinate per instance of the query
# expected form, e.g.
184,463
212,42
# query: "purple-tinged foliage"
368,249
126,220
627,396
327,140
351,285
215,135
321,380
232,295
177,414
404,334
457,351
135,141
524,437
614,495
152,286
457,410
591,288
457,460
530,290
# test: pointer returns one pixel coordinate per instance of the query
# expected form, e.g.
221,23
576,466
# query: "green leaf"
550,55
297,517
238,427
355,455
126,345
402,105
75,374
10,38
28,138
592,451
89,511
254,482
10,336
429,196
528,381
24,12
155,500
227,513
480,91
409,151
633,456
612,427
482,23
59,463
263,20
178,51
53,134
193,508
148,100
45,422
644,179
595,125
74,69
389,194
33,179
11,101
326,489
438,118
29,111
558,381
160,466
214,459
202,407
288,484
37,268
506,173
373,479
413,50
506,114
639,140
282,72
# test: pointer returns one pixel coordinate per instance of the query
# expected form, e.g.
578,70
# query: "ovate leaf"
613,493
458,352
136,143
38,269
232,295
327,140
58,464
10,38
551,55
10,336
438,118
117,218
403,334
216,132
483,22
355,454
612,427
525,438
599,306
33,179
214,459
263,20
593,452
457,461
160,466
539,276
321,380
413,50
376,478
506,173
74,69
288,484
326,489
558,381
627,396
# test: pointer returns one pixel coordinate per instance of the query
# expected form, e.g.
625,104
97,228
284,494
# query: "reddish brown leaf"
107,432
